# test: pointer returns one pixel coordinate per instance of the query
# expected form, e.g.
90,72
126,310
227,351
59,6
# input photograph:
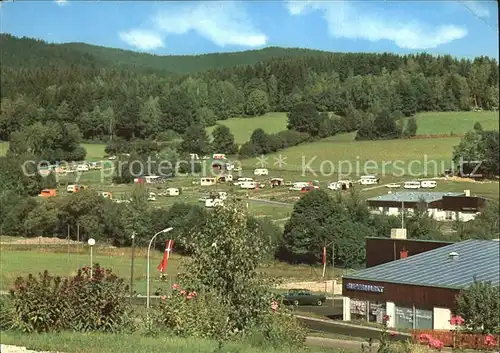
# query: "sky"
460,28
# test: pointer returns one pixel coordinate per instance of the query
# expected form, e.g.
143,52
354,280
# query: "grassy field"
64,260
112,343
364,157
242,128
457,123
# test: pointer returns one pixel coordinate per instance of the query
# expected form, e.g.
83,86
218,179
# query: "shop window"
423,319
404,317
448,216
377,312
358,309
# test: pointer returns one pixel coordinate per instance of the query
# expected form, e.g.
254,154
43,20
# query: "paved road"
254,200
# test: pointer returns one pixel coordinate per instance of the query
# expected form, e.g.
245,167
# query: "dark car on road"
303,297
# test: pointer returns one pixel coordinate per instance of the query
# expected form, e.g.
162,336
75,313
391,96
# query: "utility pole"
132,266
333,272
402,215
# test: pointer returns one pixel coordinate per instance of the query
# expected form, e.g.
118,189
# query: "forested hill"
28,52
42,83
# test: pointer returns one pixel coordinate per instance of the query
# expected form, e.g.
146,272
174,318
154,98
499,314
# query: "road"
269,202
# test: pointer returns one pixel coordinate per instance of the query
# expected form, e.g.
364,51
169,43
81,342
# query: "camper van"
428,184
368,180
208,181
412,185
275,182
261,171
242,180
172,192
213,202
248,185
82,168
299,185
150,179
334,186
72,188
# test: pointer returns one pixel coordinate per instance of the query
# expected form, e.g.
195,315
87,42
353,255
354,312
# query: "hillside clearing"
242,128
456,123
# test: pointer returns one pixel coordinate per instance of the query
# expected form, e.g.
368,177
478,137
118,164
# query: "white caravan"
428,184
208,181
213,202
248,185
368,180
261,171
412,185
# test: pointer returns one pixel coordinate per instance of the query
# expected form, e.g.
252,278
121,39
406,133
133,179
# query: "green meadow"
242,128
455,123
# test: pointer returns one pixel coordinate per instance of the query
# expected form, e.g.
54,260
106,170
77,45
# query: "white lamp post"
147,270
91,243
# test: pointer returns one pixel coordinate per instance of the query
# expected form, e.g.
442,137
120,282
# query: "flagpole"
147,270
132,267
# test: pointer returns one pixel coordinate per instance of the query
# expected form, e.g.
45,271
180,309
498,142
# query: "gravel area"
15,349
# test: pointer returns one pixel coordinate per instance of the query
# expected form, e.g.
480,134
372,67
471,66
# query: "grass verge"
112,343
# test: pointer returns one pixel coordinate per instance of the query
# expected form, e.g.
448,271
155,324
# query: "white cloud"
349,20
224,23
142,39
478,8
62,2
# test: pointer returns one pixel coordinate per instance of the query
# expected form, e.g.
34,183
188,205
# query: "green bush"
188,313
277,329
83,303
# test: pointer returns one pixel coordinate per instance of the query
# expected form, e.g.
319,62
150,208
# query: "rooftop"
414,196
478,259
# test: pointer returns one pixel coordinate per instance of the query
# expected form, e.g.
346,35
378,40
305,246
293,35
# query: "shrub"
99,302
39,304
83,303
276,328
187,313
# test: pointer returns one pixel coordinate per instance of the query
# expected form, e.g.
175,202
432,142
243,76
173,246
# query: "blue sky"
459,28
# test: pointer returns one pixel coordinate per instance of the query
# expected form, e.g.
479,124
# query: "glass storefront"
413,318
404,317
423,319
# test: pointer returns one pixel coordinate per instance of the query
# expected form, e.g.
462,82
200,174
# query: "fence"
459,340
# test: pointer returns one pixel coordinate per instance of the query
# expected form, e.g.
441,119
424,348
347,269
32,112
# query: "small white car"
393,186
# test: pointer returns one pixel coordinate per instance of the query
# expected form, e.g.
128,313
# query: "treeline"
106,101
319,218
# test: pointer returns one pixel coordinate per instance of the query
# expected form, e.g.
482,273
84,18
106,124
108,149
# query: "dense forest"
105,93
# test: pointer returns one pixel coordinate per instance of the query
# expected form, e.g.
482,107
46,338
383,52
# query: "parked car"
303,297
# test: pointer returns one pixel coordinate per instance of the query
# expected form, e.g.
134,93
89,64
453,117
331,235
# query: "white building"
442,206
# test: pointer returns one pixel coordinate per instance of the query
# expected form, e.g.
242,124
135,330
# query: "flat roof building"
442,206
419,291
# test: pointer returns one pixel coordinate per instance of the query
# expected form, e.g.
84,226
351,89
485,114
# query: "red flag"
168,248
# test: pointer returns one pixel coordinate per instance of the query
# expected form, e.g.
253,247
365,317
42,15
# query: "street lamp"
166,230
91,243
